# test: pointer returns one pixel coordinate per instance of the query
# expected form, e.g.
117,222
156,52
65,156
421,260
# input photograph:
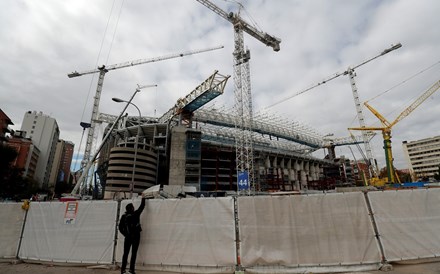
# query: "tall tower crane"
386,128
351,73
242,87
102,71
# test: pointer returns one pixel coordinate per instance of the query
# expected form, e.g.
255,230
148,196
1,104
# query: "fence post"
238,267
22,232
376,231
118,211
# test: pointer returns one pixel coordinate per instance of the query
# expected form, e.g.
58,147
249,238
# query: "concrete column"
274,162
312,171
177,156
303,179
267,162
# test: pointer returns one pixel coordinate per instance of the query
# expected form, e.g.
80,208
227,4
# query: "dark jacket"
129,223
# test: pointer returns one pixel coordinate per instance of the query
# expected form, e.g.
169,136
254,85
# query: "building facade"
28,154
423,157
61,164
44,132
66,161
5,121
185,156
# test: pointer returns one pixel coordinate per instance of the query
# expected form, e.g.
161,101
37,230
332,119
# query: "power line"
404,81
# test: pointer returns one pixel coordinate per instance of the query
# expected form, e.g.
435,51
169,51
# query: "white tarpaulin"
12,217
185,233
408,222
63,232
315,230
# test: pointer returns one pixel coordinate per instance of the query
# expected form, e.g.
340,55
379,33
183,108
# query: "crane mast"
102,71
372,165
242,88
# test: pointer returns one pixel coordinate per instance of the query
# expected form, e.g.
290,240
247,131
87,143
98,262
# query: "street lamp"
118,100
82,178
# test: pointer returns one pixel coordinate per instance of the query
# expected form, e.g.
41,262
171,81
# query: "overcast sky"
42,41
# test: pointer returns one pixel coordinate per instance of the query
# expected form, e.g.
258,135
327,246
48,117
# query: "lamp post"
118,100
85,172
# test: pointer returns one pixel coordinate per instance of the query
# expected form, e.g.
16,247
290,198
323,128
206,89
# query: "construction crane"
242,88
350,72
102,70
386,128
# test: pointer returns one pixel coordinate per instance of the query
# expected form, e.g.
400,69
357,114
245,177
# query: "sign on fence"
70,214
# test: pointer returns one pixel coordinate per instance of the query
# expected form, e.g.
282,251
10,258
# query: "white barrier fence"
82,233
319,233
408,222
187,235
11,225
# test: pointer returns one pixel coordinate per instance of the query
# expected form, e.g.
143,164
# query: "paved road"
25,268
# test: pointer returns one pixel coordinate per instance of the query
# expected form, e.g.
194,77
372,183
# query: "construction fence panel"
408,223
11,225
188,235
70,232
314,231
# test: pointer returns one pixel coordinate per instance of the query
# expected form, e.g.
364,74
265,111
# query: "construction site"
220,149
230,189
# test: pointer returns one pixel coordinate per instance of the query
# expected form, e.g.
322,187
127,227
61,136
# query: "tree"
8,156
12,183
403,177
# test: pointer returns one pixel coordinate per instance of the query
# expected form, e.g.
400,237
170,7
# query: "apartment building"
61,164
44,132
423,157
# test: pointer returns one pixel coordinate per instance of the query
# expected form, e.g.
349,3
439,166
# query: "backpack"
125,226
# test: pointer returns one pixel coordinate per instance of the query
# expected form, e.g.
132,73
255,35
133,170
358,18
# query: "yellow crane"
386,128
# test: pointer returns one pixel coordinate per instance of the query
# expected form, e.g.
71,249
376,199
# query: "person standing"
130,227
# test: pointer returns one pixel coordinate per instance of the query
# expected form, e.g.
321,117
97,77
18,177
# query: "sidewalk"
26,268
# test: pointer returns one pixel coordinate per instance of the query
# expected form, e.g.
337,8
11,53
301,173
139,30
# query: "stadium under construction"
194,145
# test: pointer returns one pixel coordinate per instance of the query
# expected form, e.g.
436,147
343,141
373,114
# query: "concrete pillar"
311,172
267,162
177,156
274,162
303,179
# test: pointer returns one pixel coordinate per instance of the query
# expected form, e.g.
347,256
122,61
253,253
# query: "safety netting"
190,235
317,232
408,222
70,232
12,219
